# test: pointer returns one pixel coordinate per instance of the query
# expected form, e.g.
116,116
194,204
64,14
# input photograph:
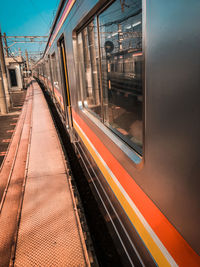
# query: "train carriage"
124,76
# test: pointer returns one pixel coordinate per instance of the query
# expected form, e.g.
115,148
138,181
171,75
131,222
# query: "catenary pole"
27,63
3,104
3,70
6,45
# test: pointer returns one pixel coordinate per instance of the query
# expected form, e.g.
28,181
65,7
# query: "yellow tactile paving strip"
48,234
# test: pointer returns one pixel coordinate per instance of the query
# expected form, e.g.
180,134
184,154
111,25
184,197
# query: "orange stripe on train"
180,250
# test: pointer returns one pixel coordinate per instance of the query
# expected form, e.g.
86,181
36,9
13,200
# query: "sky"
27,17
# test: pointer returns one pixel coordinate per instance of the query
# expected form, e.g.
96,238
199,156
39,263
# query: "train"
124,78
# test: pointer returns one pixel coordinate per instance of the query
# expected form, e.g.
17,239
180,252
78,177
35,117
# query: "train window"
111,86
43,69
54,70
47,69
89,68
120,33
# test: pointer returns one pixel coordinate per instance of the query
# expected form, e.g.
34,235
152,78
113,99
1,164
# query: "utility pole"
27,63
3,70
20,52
3,104
5,42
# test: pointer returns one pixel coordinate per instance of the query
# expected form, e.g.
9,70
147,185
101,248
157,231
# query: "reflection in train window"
54,70
120,30
111,86
47,69
89,68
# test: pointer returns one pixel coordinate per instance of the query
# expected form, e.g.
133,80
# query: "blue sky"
27,17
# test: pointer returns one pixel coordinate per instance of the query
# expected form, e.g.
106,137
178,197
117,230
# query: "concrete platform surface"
45,228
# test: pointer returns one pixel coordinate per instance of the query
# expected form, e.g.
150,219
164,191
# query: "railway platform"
39,223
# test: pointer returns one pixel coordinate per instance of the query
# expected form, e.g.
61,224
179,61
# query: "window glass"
43,69
120,31
47,69
88,62
54,70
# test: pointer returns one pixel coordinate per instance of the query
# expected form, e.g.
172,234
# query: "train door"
61,45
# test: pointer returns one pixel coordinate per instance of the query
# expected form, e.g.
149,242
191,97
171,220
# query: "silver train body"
125,78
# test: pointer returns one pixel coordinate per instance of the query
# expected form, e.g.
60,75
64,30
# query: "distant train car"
124,76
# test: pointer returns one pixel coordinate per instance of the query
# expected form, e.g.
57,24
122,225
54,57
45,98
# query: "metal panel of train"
124,76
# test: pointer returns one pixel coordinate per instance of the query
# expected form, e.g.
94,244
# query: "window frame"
130,148
55,75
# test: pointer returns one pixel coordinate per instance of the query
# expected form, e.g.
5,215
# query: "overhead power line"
25,36
12,40
36,8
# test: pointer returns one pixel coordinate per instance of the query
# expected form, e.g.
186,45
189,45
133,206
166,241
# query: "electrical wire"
36,8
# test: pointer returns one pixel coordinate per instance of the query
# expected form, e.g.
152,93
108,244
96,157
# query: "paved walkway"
39,225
